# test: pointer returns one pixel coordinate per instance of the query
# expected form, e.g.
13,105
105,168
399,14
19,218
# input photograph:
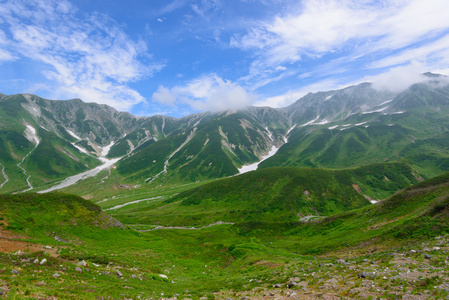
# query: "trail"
133,202
188,139
187,228
4,175
107,163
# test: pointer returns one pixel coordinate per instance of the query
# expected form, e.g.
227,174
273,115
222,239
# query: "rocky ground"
417,271
412,272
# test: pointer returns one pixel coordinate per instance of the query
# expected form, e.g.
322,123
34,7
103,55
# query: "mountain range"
42,141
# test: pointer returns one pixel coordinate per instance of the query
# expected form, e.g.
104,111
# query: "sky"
178,57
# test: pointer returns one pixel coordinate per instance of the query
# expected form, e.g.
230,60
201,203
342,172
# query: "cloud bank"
207,93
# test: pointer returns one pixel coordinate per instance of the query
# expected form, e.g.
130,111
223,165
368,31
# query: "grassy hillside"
273,195
245,259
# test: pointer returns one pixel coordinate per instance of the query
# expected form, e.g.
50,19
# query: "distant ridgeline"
45,141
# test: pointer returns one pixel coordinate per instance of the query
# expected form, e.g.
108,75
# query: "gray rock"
341,261
363,275
15,272
78,269
36,261
43,261
291,284
82,263
277,285
427,256
56,275
119,274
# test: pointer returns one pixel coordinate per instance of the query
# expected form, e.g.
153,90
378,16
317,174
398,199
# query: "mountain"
412,127
44,141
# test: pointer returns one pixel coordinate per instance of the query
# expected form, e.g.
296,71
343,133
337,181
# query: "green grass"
224,258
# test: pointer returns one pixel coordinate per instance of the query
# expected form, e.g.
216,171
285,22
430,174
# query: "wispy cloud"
209,92
86,56
347,29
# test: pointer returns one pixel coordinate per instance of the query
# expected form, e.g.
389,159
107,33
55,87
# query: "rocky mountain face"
43,141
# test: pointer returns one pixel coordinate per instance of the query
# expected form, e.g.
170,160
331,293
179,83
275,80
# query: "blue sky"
177,57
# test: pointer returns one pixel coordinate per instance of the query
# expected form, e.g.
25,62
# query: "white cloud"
293,95
164,96
89,57
207,93
359,28
399,78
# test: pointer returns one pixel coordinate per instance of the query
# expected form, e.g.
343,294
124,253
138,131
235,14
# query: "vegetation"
222,260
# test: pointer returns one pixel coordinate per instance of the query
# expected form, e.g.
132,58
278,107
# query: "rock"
36,261
40,283
119,274
163,276
58,239
56,275
341,261
133,276
82,263
63,269
15,272
363,275
427,256
291,284
78,269
43,261
277,285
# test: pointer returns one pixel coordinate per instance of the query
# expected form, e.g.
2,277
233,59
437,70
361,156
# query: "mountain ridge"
334,129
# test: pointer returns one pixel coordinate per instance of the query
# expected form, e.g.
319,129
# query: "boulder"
82,263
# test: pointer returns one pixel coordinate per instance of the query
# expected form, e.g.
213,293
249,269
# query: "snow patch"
270,135
328,97
385,102
397,112
30,134
253,167
310,122
285,138
81,149
374,111
105,150
360,124
333,127
73,134
325,121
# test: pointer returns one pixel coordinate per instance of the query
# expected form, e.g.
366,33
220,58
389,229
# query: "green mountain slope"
275,195
215,148
411,128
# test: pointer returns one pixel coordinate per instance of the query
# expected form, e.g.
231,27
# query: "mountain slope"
412,127
276,195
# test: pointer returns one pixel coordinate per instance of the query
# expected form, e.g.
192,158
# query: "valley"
341,195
